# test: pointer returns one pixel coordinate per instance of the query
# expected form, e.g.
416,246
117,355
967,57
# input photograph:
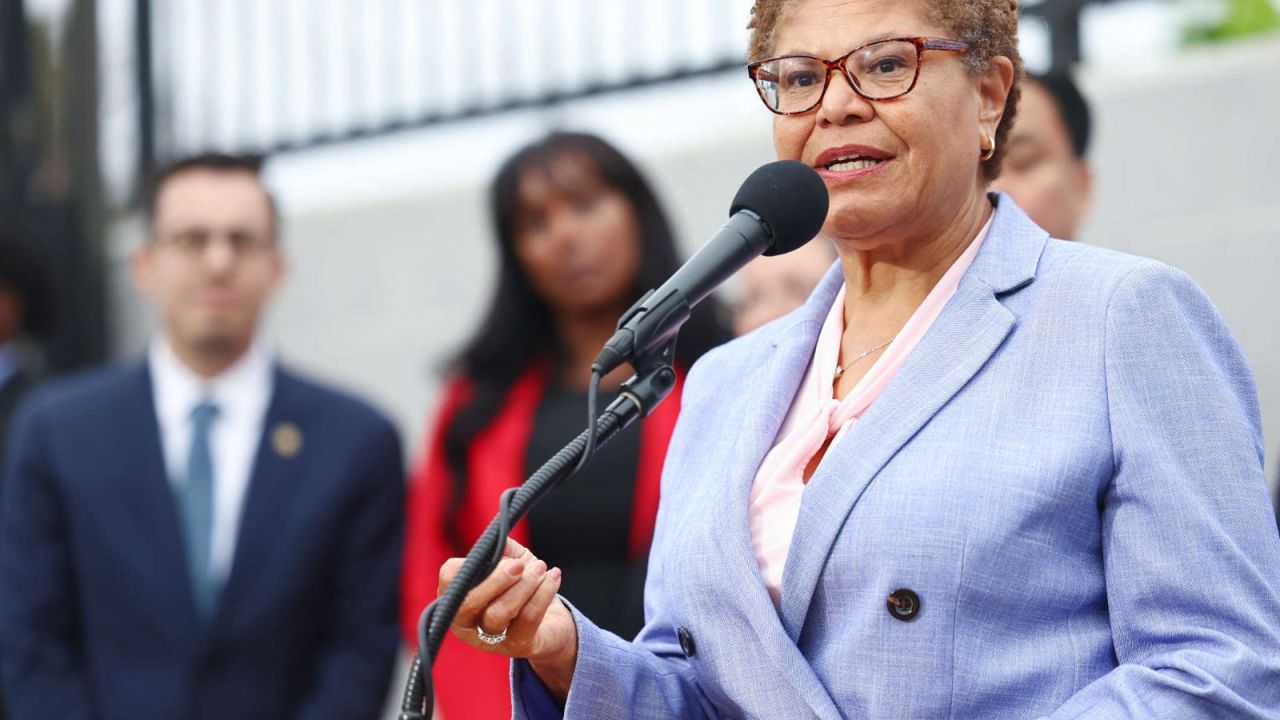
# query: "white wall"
1186,172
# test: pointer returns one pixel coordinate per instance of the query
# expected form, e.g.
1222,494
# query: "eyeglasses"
882,70
194,243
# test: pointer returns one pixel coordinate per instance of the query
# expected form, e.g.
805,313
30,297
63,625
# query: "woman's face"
576,238
927,142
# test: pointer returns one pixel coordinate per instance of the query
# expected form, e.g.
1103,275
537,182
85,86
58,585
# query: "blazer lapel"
969,331
266,502
762,409
148,494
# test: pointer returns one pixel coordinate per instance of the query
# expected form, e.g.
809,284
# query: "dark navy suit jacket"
97,618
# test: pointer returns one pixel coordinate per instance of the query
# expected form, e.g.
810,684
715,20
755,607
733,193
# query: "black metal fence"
288,74
282,75
50,197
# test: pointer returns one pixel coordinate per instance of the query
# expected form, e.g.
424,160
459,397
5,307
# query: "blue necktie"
196,497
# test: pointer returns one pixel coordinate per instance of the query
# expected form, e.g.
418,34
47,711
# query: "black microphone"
779,207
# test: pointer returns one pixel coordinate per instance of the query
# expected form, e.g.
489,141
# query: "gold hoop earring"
989,152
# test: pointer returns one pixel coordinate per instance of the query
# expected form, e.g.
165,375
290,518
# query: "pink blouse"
816,415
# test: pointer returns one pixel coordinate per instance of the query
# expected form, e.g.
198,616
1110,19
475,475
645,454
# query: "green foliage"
1247,17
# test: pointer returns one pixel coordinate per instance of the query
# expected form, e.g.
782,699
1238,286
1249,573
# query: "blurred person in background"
202,533
1047,168
25,317
580,236
774,286
25,314
982,473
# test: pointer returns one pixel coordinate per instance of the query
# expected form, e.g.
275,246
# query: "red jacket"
469,683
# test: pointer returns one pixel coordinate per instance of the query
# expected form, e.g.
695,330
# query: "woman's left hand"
519,599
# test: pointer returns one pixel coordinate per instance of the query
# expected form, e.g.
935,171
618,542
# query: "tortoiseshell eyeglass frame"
921,44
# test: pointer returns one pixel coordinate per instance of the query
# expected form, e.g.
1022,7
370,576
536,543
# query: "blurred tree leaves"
1244,17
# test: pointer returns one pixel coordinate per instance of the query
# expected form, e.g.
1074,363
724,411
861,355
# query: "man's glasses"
195,243
882,70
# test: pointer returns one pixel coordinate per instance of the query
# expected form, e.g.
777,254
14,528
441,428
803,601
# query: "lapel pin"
286,439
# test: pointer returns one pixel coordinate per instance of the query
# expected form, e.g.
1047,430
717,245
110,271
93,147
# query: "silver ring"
491,639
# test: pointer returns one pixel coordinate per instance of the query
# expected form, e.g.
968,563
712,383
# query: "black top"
584,527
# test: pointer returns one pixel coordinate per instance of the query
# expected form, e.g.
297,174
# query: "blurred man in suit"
1047,169
204,533
25,314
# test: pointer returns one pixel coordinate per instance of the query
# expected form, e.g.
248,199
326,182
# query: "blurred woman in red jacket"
581,236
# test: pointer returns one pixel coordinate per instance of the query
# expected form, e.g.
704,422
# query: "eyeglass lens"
880,70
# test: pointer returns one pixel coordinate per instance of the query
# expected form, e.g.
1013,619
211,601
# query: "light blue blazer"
1067,472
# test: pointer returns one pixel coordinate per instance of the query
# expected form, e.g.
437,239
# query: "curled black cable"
515,503
417,692
593,389
504,530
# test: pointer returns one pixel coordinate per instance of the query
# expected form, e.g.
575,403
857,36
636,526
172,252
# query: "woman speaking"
981,473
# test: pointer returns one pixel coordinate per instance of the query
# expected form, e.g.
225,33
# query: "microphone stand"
654,378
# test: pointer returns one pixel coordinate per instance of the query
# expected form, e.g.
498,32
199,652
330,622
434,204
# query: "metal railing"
282,75
271,76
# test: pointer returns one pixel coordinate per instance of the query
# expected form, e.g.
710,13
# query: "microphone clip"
655,377
643,330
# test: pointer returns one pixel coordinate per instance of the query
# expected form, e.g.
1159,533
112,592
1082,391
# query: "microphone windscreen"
791,199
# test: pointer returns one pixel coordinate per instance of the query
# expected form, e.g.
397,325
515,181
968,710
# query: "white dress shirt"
242,394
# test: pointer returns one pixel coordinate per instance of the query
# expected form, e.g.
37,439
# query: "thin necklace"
881,346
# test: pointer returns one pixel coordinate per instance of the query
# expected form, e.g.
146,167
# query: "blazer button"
686,641
904,604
